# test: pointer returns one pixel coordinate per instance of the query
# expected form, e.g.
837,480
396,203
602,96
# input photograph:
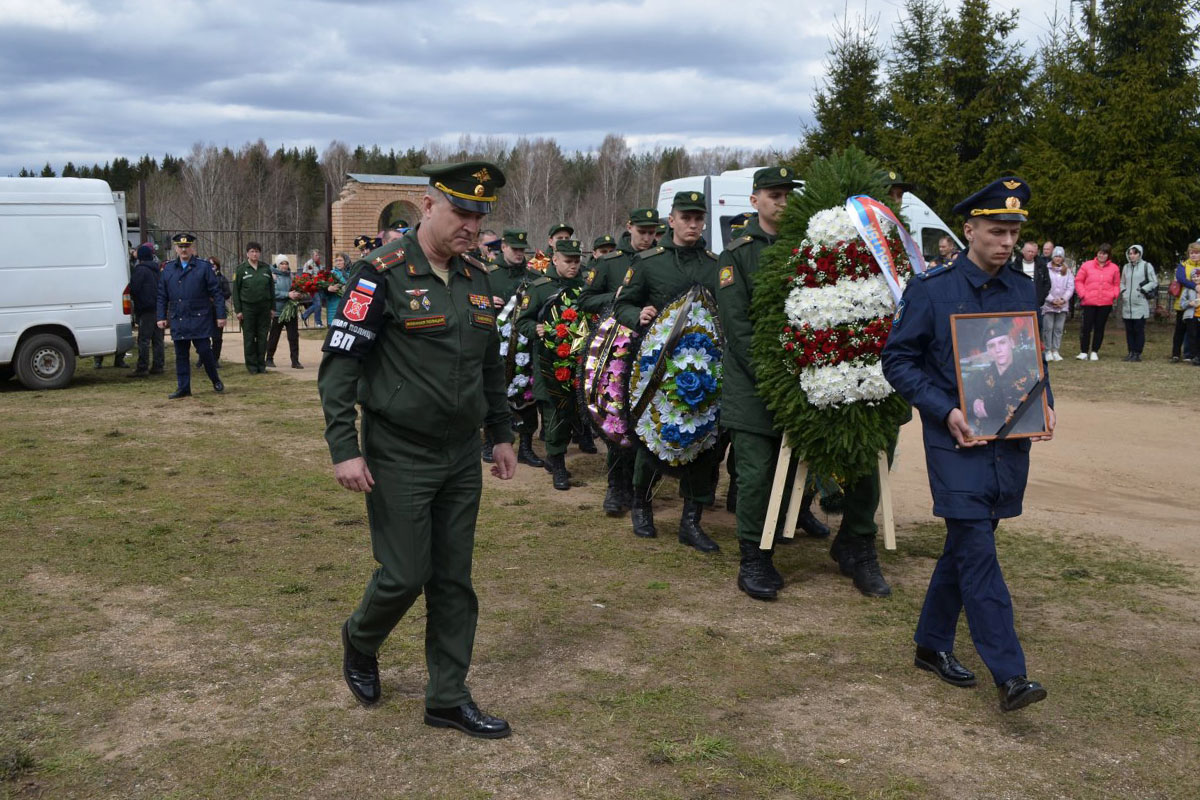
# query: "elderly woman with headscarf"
1139,288
1057,304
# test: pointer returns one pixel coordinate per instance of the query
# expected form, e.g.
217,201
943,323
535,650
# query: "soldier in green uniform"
508,277
743,413
657,277
415,344
253,298
602,246
558,416
602,281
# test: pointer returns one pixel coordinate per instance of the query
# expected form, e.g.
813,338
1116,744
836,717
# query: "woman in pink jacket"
1097,285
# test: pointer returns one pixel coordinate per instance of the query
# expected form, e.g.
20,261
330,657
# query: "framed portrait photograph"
1001,377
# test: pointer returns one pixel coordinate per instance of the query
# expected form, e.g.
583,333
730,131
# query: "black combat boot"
625,482
868,577
525,453
753,578
612,497
690,532
841,553
643,513
583,437
808,523
558,469
485,451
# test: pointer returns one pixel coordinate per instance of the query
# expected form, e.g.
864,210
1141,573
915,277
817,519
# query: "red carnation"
562,374
560,330
570,315
563,350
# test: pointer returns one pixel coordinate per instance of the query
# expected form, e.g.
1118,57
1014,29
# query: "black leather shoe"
468,719
297,365
219,387
690,532
1018,692
271,363
753,576
178,393
812,526
642,513
360,671
945,666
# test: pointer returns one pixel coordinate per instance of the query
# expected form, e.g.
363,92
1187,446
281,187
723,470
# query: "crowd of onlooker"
1100,285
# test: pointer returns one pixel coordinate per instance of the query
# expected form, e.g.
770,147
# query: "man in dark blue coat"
975,483
143,291
188,295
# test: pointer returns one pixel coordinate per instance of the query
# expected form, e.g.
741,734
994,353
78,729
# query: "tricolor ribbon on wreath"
868,214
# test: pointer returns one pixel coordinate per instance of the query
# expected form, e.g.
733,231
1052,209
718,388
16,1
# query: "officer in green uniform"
558,416
253,298
602,246
602,281
415,344
658,276
743,412
507,278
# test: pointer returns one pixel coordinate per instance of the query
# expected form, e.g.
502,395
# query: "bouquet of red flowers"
567,331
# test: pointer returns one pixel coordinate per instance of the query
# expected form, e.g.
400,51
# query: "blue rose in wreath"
690,388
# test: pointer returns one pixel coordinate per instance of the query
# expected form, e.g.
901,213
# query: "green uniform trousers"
620,458
256,325
756,458
696,481
557,423
422,513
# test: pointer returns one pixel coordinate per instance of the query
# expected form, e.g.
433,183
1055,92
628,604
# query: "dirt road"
1113,470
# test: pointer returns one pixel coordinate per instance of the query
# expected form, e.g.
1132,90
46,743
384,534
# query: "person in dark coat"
189,296
143,292
218,337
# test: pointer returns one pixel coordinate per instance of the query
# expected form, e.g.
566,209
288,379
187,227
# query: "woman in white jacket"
1139,288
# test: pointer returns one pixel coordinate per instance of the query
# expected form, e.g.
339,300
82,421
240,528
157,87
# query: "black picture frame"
997,363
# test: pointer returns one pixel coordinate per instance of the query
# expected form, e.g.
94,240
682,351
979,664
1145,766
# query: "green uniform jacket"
506,278
661,274
741,407
541,290
604,278
434,371
252,286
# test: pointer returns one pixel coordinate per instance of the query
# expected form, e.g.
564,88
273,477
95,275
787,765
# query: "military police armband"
358,322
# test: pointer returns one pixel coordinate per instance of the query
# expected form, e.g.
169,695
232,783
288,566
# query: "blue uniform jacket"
189,298
986,482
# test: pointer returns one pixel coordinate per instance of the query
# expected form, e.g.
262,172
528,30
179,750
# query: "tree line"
1103,119
256,190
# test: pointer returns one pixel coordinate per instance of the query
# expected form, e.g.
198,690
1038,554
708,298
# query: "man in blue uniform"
974,483
189,295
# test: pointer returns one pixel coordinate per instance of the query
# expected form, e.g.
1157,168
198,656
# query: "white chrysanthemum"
504,347
844,383
505,330
831,226
521,359
522,339
840,303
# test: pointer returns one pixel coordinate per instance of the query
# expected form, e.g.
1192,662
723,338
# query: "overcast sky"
88,80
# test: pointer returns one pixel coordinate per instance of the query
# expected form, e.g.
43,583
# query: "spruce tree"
47,171
1117,131
847,109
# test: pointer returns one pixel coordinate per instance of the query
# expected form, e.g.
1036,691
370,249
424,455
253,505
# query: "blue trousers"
967,576
183,363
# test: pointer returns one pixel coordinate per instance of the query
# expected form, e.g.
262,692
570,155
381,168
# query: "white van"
728,196
64,267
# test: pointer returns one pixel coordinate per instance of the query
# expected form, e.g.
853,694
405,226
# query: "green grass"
1152,380
173,593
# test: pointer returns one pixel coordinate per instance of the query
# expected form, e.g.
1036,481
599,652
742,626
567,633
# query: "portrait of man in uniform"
998,365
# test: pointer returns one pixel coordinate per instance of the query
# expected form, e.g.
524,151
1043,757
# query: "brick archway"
362,201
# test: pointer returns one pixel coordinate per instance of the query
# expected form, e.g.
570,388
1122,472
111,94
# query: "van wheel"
45,361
